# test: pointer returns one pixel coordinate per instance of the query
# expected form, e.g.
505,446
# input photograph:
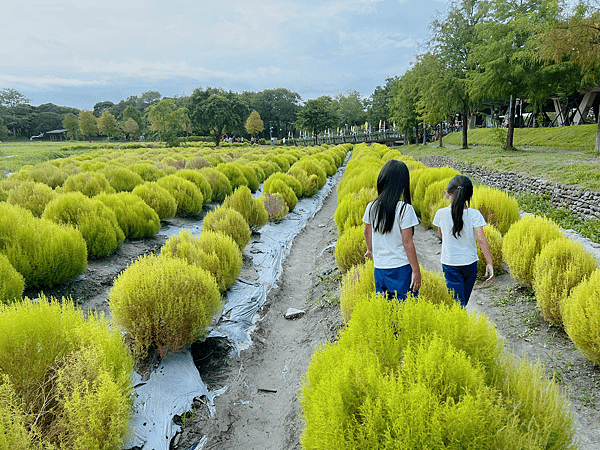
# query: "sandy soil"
260,409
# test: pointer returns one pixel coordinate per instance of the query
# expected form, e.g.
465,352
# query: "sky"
78,53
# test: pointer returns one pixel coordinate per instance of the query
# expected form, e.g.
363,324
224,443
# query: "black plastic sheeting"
171,388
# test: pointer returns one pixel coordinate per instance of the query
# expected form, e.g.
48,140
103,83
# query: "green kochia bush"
164,303
561,265
188,196
135,217
88,183
581,317
214,252
289,180
32,196
498,208
233,173
122,179
11,281
351,209
69,377
158,198
199,180
219,183
43,252
229,222
97,222
147,170
427,376
495,239
252,209
278,186
275,206
350,248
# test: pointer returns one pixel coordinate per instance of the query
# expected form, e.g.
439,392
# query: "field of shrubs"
65,375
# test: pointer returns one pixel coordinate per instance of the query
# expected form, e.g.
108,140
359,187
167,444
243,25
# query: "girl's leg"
455,282
470,274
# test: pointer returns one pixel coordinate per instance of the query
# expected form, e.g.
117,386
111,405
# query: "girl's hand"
369,254
415,282
489,272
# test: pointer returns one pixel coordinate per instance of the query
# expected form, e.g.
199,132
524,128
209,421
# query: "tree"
403,105
3,130
131,112
254,123
71,122
131,128
108,125
378,104
276,106
318,115
12,97
350,109
158,115
100,107
87,123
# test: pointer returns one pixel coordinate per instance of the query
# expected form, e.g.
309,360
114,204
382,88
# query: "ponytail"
461,189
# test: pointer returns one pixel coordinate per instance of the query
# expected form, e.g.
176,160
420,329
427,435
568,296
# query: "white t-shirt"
388,251
460,251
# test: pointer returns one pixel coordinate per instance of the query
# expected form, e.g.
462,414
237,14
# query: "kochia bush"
164,303
158,198
350,248
278,186
32,196
498,208
275,206
357,283
135,217
88,183
219,183
199,180
252,209
495,239
229,222
351,209
148,171
289,180
188,196
234,174
122,179
11,282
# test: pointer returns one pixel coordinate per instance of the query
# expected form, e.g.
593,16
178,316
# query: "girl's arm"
411,253
485,249
369,240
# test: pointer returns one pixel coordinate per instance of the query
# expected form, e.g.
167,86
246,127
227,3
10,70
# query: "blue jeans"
394,281
461,280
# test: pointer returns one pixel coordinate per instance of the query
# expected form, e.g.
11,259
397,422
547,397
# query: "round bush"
357,284
289,180
122,179
230,223
214,252
187,194
350,248
147,170
433,199
12,283
275,206
252,209
199,180
312,166
498,208
494,238
250,175
433,288
351,209
268,167
164,303
429,176
157,198
97,222
234,174
327,161
523,242
219,183
561,265
135,217
88,183
32,196
46,173
581,317
277,186
49,350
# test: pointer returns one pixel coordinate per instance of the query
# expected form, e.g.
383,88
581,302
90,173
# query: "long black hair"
461,189
393,185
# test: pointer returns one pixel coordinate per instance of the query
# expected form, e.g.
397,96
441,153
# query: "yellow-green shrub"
43,252
46,173
252,209
250,175
215,252
96,221
581,317
158,198
147,170
277,186
498,208
71,374
233,173
353,182
350,248
268,167
219,183
282,163
310,184
230,223
199,180
11,281
357,283
187,194
433,288
327,161
15,433
433,199
494,238
122,179
275,206
523,242
32,196
164,303
135,217
351,209
289,180
561,265
425,179
88,183
312,167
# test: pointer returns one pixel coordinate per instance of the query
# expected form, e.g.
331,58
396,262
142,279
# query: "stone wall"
583,202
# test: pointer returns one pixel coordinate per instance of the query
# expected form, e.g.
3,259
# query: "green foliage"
581,317
433,199
163,303
495,239
214,252
250,175
252,209
199,180
122,179
350,248
351,209
219,183
97,222
158,198
289,180
357,284
309,184
268,167
46,173
523,243
426,178
230,223
32,196
312,166
71,375
44,253
561,265
14,434
433,288
275,206
278,186
327,161
233,173
427,376
188,196
88,183
497,207
11,281
135,217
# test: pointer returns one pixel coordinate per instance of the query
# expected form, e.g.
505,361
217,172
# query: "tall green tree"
71,123
318,115
108,125
378,103
12,97
131,128
279,107
403,105
159,114
87,123
351,108
131,112
254,124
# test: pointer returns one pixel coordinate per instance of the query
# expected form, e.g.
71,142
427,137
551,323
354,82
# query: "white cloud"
48,81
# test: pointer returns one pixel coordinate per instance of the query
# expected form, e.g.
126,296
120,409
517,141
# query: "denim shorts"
394,282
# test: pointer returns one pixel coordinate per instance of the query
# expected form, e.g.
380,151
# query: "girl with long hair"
461,228
389,228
